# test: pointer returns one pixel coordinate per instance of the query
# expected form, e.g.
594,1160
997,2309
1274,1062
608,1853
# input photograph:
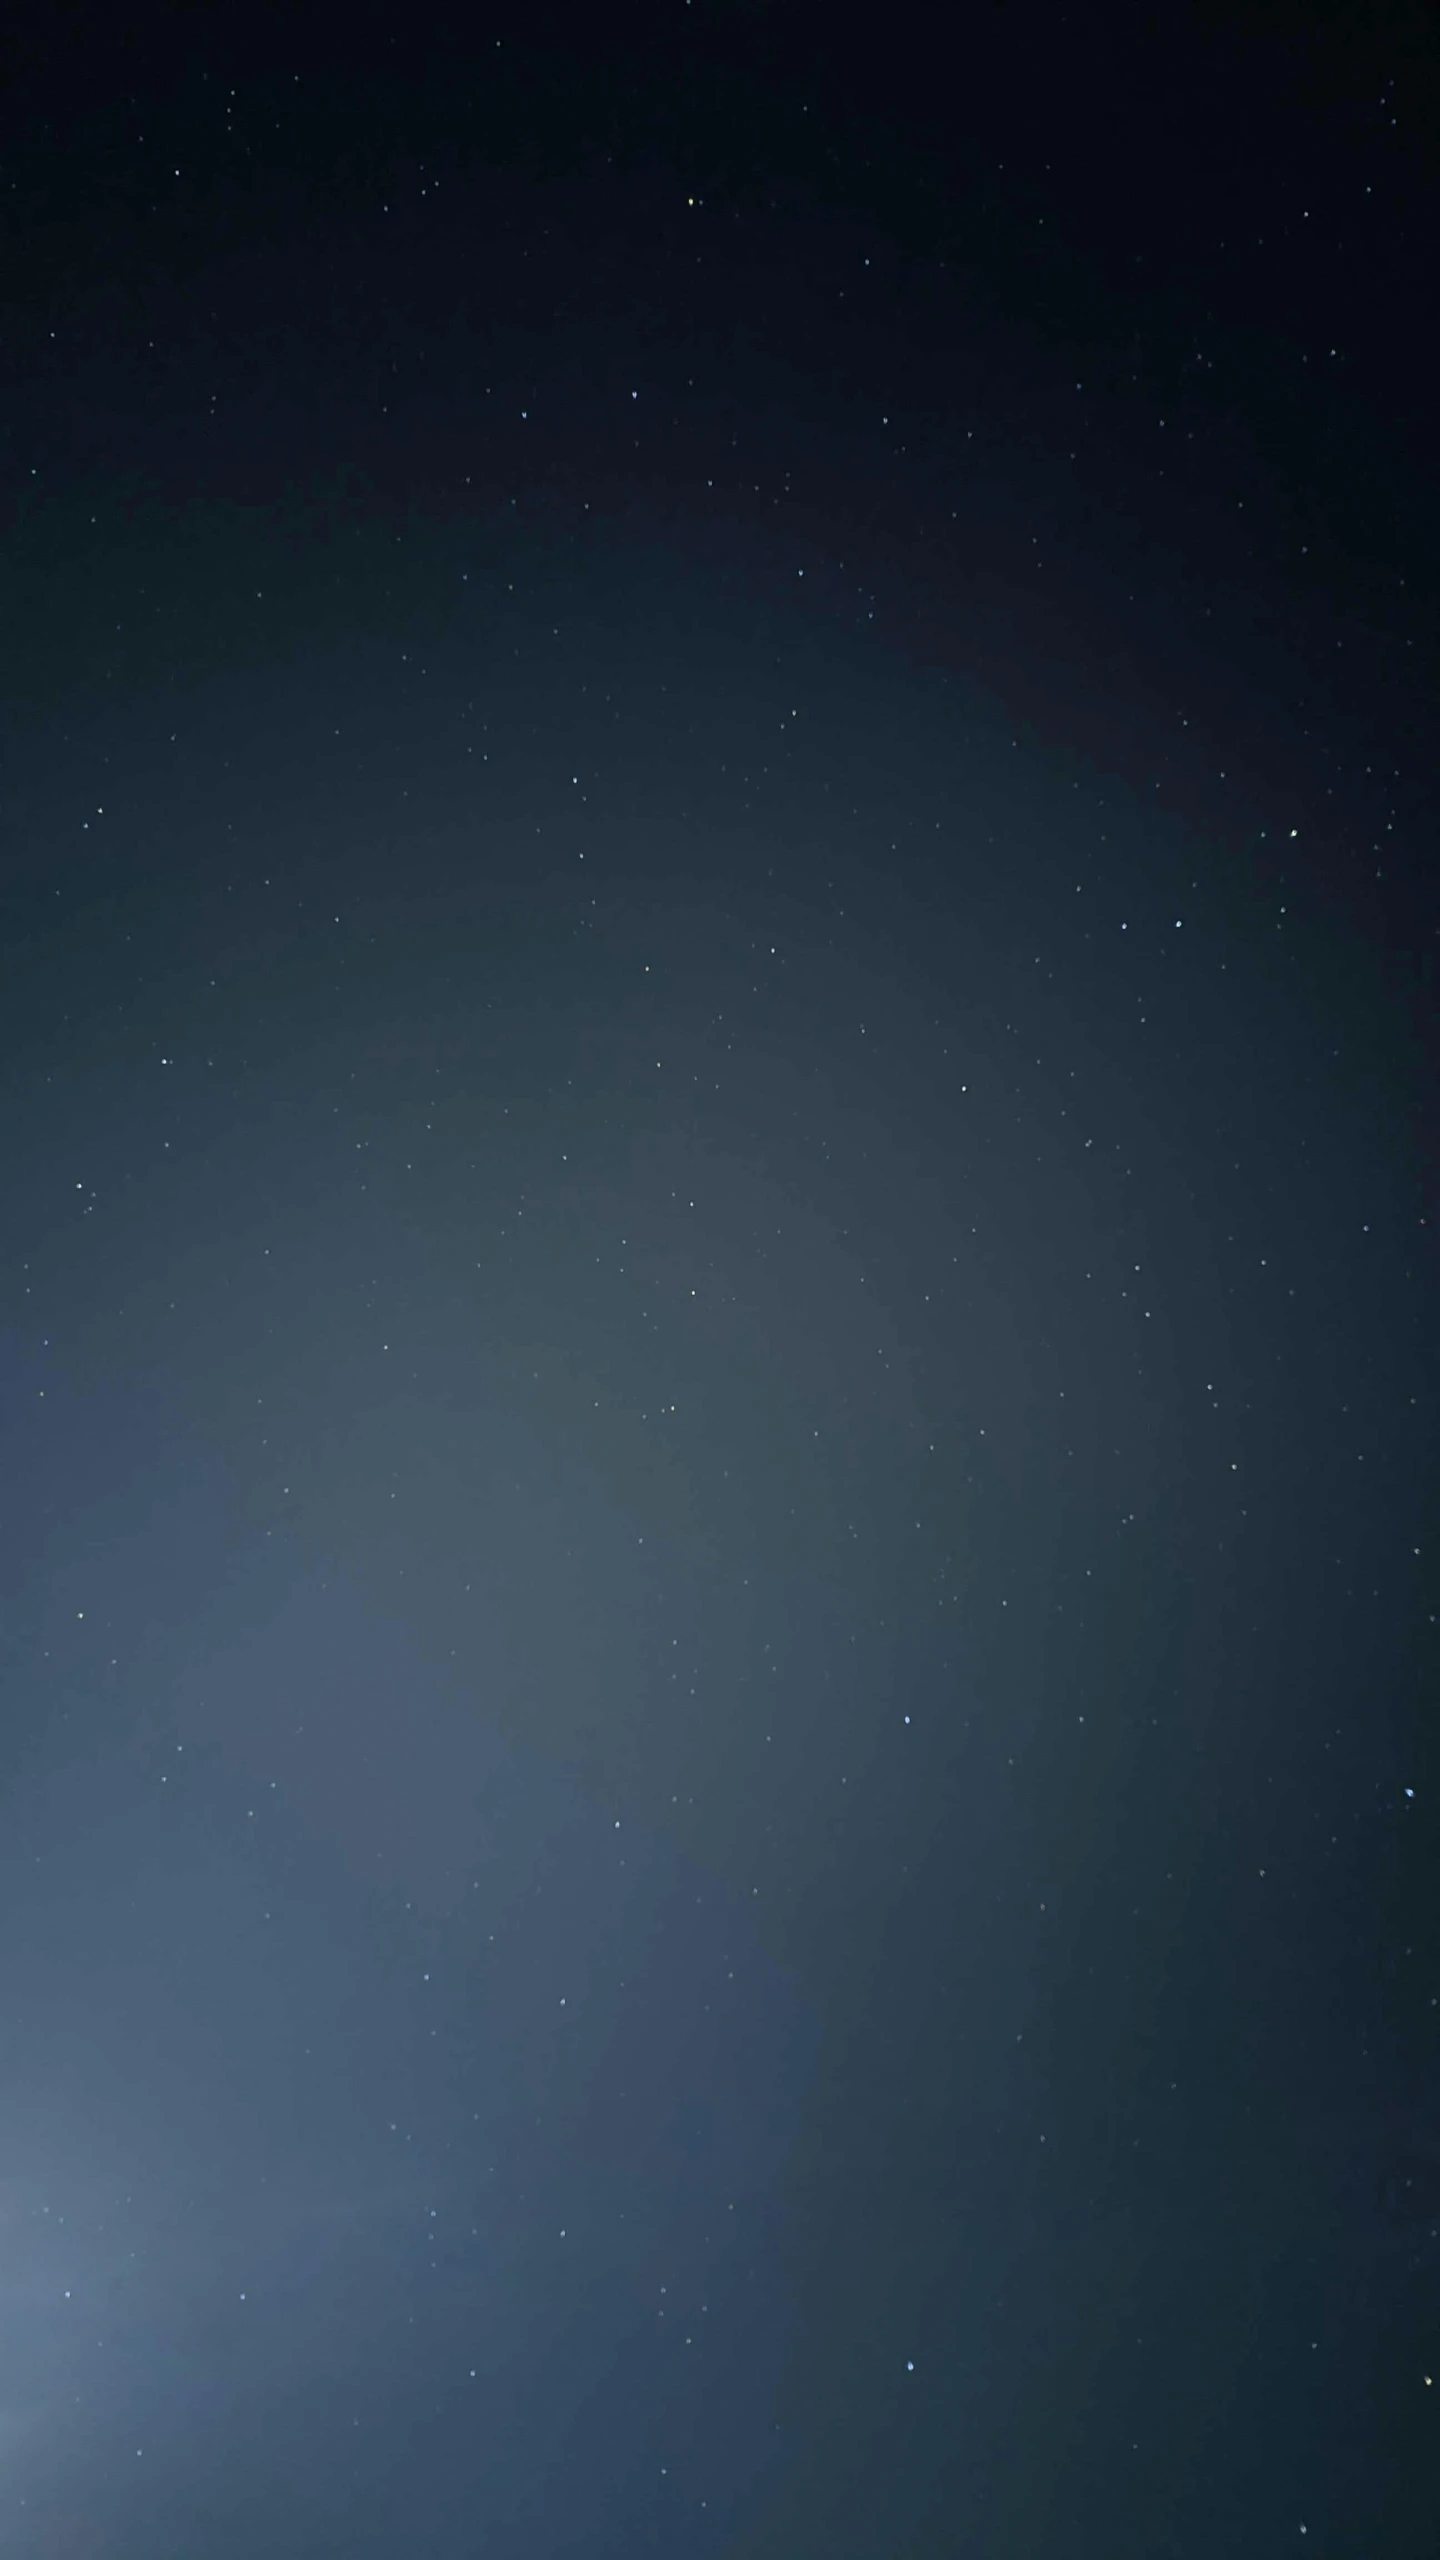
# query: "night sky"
718,909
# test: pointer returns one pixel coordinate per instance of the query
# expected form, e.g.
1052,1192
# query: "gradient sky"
717,1345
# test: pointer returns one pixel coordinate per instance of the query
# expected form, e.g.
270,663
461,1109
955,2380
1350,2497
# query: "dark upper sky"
717,1343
